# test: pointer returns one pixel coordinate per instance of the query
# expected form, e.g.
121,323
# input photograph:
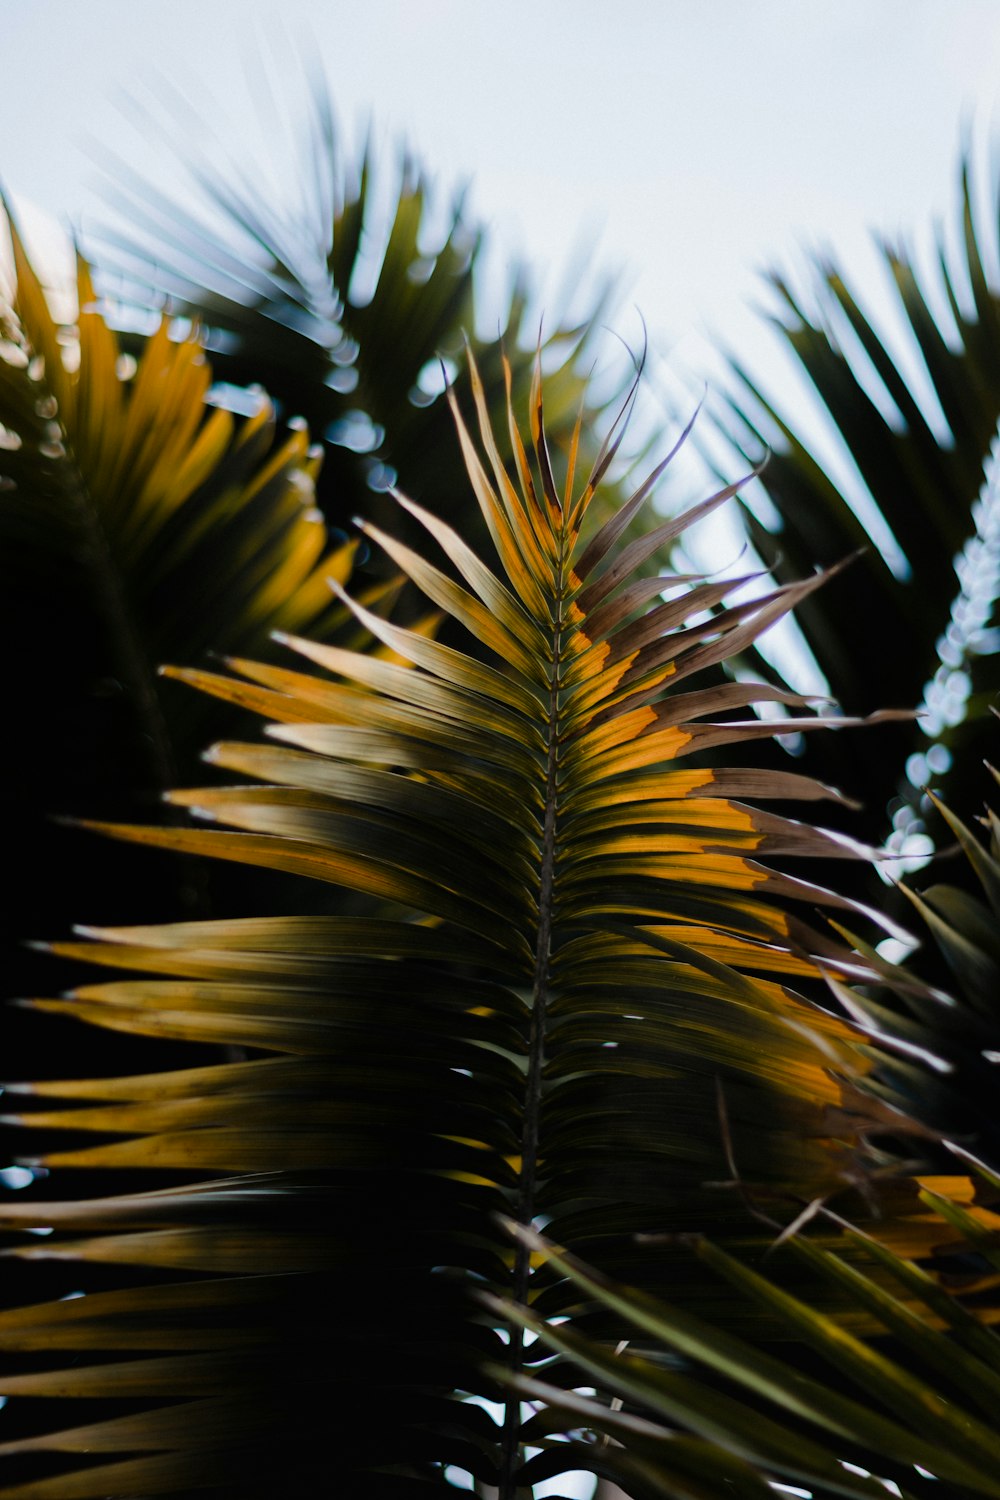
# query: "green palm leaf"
147,506
921,1417
927,1369
562,941
881,635
139,522
343,309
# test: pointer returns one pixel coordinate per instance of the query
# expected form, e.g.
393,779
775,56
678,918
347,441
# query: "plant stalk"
510,1445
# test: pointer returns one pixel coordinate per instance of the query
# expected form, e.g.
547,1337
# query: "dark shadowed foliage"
920,443
561,945
344,308
914,1401
543,1079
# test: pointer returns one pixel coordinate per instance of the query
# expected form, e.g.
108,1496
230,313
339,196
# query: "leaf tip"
67,820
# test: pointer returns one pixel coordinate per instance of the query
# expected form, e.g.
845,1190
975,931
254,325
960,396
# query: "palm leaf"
882,635
563,941
938,1043
344,309
920,1388
139,522
921,1417
129,488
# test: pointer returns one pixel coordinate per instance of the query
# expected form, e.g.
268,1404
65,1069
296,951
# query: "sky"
684,145
687,143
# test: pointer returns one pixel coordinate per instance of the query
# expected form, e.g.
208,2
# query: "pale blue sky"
694,139
688,142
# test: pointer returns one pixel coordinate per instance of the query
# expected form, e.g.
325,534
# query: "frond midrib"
124,637
538,1025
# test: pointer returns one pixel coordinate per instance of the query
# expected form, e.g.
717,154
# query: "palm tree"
168,529
559,947
538,975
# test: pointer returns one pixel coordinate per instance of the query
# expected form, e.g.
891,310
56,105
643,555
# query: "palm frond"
144,504
913,1400
564,941
344,301
918,430
705,1407
139,523
938,1043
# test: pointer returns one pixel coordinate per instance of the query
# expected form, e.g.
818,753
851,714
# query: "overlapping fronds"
939,1043
341,292
562,943
138,523
142,504
917,430
904,1381
706,1413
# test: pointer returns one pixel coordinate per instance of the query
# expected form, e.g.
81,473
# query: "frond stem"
510,1451
131,661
